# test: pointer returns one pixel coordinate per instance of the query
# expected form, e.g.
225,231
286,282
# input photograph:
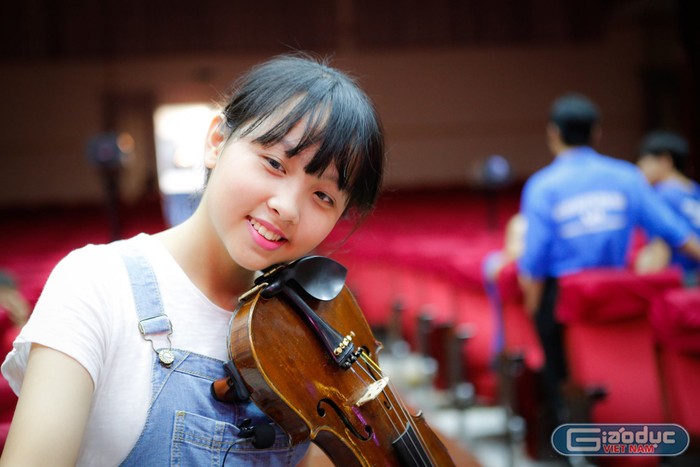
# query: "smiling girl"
115,365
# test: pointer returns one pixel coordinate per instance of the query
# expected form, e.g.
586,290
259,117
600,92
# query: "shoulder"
675,193
545,181
621,174
88,289
542,176
87,260
83,307
97,260
622,166
612,164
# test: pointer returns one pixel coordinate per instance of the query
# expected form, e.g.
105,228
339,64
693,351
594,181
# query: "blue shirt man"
579,213
581,210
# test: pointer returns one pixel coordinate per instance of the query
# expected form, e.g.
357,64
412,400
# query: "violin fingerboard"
410,450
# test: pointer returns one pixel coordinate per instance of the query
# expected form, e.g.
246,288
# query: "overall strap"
153,322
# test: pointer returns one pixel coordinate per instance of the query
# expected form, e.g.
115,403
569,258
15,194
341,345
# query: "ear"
552,132
553,138
214,143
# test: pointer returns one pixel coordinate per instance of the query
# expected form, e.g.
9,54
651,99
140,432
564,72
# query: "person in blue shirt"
580,212
662,158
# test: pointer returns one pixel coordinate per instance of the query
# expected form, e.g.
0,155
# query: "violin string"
399,432
403,417
403,411
377,368
409,417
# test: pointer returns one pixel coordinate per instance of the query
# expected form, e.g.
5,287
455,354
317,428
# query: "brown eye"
274,164
325,198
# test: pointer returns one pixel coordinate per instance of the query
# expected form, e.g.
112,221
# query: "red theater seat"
603,296
609,341
440,276
519,334
675,317
424,250
519,352
372,285
609,344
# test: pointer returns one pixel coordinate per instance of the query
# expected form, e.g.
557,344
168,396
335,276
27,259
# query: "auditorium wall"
444,110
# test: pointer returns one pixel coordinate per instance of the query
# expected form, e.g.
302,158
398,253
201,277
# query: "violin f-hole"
322,412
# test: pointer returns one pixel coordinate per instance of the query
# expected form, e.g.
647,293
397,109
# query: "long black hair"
340,118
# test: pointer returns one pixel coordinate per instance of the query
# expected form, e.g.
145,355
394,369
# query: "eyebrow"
330,174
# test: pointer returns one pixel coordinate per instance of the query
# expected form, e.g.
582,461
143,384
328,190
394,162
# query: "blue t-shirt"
581,210
684,200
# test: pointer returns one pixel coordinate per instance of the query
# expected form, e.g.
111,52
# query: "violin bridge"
373,390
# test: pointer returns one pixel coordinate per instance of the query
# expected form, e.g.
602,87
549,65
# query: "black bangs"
337,116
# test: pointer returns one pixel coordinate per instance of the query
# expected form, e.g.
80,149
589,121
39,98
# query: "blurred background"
455,81
105,104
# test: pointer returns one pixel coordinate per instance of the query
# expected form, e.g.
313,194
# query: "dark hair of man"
659,143
575,116
341,120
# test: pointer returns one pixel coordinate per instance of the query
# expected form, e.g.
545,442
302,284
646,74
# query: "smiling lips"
265,236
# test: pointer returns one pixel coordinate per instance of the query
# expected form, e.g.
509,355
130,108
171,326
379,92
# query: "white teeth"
265,233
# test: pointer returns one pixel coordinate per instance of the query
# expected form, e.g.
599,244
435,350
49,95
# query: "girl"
116,362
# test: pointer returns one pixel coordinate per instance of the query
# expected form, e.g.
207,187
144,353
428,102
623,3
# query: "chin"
258,263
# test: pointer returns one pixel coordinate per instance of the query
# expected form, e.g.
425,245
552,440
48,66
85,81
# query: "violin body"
351,413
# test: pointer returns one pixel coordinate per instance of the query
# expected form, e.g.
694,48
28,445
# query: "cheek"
230,199
316,227
238,177
650,171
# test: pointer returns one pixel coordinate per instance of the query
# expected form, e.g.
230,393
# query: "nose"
286,203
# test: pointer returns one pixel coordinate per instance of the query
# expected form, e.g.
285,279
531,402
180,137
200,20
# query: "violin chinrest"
320,277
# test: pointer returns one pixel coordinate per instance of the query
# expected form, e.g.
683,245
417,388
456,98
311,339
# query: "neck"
210,269
563,148
676,175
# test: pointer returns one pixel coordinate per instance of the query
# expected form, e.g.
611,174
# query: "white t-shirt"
87,311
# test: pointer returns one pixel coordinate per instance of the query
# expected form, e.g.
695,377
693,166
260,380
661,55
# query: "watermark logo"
606,439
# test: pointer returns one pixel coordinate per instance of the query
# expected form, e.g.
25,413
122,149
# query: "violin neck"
410,449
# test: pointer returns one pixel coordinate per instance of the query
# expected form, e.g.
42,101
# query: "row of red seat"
637,337
423,252
438,279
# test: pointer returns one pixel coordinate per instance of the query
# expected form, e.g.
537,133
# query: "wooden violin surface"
351,413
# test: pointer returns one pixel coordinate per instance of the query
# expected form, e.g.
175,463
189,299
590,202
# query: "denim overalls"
185,425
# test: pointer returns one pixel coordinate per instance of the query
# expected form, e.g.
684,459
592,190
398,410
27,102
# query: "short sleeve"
658,218
539,231
72,314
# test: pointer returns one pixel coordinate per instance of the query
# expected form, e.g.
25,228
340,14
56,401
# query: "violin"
303,352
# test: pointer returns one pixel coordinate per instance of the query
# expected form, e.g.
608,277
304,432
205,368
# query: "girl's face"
262,205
